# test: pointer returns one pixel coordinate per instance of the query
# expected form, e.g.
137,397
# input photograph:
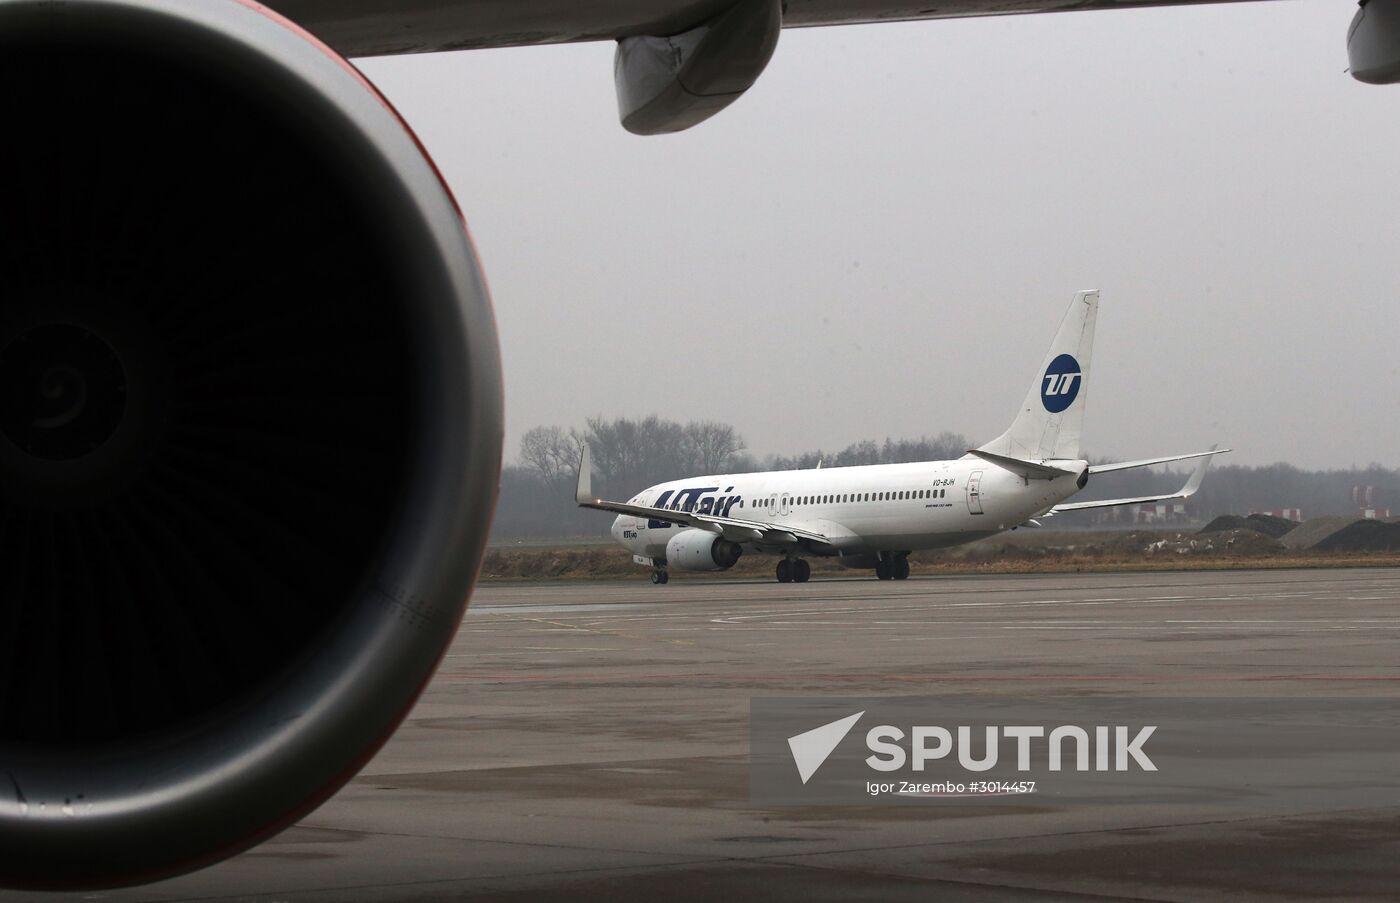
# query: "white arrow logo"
811,748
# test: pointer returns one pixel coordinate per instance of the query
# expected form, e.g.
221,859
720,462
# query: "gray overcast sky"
880,238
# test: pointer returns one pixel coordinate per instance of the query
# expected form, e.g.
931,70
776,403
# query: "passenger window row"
899,496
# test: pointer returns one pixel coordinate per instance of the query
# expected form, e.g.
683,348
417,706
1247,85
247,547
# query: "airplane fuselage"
861,510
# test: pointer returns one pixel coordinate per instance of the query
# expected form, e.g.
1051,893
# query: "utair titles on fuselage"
874,516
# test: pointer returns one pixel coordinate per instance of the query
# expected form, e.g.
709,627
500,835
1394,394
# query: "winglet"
583,493
1199,474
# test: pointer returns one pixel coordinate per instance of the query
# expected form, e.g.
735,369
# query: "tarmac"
589,741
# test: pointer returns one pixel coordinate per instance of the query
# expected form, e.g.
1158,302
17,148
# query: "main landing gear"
794,570
660,577
893,569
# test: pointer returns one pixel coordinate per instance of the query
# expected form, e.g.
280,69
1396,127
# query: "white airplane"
874,516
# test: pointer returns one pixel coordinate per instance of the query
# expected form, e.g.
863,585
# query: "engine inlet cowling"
701,550
249,432
1373,42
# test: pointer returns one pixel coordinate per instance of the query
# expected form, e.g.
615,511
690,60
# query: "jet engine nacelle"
701,550
250,432
1373,42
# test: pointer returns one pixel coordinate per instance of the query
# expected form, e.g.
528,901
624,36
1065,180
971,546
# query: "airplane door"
785,502
974,493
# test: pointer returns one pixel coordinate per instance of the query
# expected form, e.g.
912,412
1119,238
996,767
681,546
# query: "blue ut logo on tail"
1061,385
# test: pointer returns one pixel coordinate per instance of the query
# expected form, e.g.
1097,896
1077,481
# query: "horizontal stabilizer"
1192,484
1148,462
1028,469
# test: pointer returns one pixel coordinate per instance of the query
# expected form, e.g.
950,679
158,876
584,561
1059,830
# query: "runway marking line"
944,678
616,633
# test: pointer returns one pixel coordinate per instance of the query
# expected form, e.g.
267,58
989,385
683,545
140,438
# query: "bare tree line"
638,453
630,454
945,446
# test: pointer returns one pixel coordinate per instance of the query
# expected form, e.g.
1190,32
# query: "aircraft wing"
733,528
679,62
385,27
1192,484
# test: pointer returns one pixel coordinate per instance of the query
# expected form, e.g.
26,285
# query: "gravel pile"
1362,536
1309,533
1262,523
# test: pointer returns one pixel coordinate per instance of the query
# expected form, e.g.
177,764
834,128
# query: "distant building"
1159,513
1156,513
1367,501
1293,514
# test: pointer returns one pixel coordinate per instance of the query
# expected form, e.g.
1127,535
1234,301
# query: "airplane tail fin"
1048,424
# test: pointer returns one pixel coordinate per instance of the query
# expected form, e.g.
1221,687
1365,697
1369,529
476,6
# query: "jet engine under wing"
250,432
733,528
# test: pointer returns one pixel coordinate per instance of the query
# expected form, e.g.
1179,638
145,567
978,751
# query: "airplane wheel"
900,569
801,571
784,571
655,576
882,570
